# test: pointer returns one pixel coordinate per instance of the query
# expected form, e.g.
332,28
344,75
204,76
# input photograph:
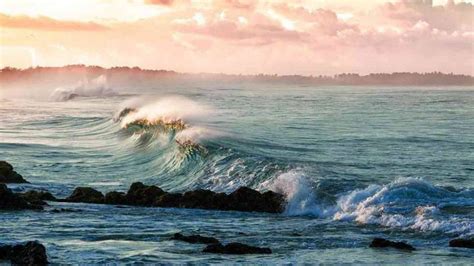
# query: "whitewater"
353,163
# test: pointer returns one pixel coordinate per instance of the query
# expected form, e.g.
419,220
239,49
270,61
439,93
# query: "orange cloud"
159,2
47,24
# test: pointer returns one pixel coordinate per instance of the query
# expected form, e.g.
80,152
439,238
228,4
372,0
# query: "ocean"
354,163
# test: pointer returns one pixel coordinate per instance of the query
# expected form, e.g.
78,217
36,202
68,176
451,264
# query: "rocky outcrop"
462,243
142,195
86,195
195,239
37,197
12,201
236,248
384,243
30,253
116,198
8,175
243,199
246,199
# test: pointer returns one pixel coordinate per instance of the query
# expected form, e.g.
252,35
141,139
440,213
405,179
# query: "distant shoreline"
13,76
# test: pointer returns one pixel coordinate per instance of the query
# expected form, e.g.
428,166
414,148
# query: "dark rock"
140,194
169,200
62,210
462,243
12,201
30,253
115,197
384,243
200,199
194,239
8,175
236,248
243,199
37,197
247,199
86,195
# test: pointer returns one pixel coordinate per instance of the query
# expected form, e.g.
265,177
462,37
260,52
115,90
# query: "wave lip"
173,122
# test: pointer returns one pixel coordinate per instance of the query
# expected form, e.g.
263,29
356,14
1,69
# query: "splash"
97,87
406,203
299,194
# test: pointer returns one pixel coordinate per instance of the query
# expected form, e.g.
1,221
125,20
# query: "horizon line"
233,74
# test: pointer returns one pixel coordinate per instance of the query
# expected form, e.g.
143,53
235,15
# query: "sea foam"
405,203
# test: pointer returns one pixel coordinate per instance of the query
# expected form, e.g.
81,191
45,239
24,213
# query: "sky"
306,37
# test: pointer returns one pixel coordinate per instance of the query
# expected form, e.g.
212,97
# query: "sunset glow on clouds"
241,36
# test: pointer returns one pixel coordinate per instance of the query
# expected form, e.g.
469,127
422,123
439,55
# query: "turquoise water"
354,163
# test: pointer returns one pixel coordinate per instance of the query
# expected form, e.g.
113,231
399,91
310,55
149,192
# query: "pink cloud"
45,23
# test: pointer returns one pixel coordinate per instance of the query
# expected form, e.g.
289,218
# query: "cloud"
448,17
159,2
237,28
47,24
272,36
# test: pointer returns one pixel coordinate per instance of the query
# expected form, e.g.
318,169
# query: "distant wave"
97,87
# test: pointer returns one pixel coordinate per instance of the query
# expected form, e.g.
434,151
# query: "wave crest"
97,87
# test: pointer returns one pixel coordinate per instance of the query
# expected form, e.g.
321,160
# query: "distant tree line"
9,74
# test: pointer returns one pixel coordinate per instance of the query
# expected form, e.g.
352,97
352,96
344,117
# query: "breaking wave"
97,87
405,203
188,153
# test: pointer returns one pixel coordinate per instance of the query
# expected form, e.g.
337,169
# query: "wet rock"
140,194
63,210
195,239
114,197
12,201
247,199
8,175
384,243
30,253
462,243
236,248
243,199
37,197
169,200
86,195
201,199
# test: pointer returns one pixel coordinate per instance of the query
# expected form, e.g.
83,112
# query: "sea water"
354,163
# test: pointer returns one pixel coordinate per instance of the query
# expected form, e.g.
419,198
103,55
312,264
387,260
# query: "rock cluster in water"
30,253
462,243
243,199
384,243
8,175
14,201
195,239
214,245
236,248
